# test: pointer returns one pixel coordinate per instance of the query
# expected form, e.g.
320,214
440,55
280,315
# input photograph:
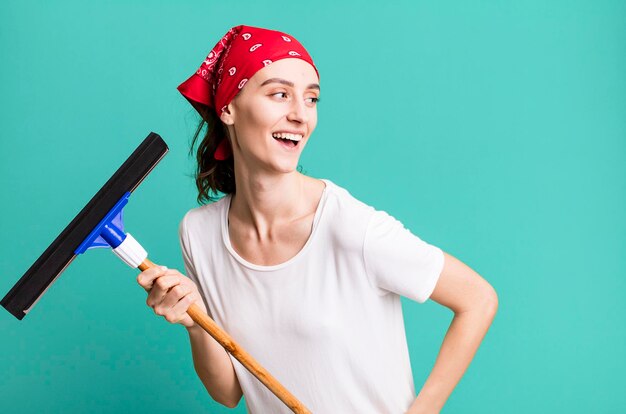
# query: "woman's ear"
227,115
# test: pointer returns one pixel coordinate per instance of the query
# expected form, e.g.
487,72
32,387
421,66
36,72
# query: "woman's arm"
169,294
474,303
214,368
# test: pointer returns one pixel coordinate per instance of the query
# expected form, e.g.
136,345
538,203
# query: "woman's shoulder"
344,200
344,212
207,214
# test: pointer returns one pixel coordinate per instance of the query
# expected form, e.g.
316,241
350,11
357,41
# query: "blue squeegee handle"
113,235
109,232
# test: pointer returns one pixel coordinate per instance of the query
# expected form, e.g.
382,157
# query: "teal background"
495,130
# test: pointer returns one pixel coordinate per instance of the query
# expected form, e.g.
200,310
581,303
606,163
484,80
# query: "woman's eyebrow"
288,83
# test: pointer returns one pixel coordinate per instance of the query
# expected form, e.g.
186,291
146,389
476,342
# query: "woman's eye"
284,95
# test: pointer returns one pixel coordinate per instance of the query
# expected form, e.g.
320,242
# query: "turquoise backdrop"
493,129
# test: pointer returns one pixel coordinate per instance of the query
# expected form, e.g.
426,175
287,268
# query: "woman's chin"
285,161
286,166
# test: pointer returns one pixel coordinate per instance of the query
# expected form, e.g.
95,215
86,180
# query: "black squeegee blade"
38,278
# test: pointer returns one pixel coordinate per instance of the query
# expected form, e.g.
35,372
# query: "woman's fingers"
175,294
170,294
178,312
160,287
147,277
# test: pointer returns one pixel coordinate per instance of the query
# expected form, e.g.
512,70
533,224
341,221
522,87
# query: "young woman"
305,277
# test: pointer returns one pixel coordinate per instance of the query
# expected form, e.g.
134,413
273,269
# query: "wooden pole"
238,352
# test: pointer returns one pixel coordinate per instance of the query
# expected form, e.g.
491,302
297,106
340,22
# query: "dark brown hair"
212,176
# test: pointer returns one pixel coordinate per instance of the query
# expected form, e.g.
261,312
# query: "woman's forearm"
214,367
459,346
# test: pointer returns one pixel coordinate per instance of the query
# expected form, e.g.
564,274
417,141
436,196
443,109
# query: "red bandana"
242,52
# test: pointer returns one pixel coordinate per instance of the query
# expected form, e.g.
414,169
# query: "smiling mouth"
288,140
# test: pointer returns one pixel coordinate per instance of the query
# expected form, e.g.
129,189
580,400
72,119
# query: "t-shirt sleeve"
183,237
398,261
190,270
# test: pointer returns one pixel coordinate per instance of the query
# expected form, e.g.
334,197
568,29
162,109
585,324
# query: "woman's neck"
267,201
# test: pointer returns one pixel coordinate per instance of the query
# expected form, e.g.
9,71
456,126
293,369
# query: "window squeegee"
100,224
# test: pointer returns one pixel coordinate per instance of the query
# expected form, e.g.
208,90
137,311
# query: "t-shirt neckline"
231,250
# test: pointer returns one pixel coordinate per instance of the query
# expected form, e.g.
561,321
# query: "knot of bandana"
239,54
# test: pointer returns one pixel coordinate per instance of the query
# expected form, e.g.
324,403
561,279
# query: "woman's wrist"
423,406
194,329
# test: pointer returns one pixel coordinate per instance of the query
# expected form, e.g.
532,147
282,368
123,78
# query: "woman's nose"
298,111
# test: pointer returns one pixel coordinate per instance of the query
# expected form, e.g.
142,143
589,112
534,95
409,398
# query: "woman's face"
272,118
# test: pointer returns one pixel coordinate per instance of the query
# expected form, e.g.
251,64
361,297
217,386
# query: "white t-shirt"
328,322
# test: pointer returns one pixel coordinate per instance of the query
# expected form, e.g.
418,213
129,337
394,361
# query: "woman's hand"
170,294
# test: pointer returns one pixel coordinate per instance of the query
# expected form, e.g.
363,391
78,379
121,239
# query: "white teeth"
284,135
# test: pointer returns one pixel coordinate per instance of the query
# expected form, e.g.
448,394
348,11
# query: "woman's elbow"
230,403
490,301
